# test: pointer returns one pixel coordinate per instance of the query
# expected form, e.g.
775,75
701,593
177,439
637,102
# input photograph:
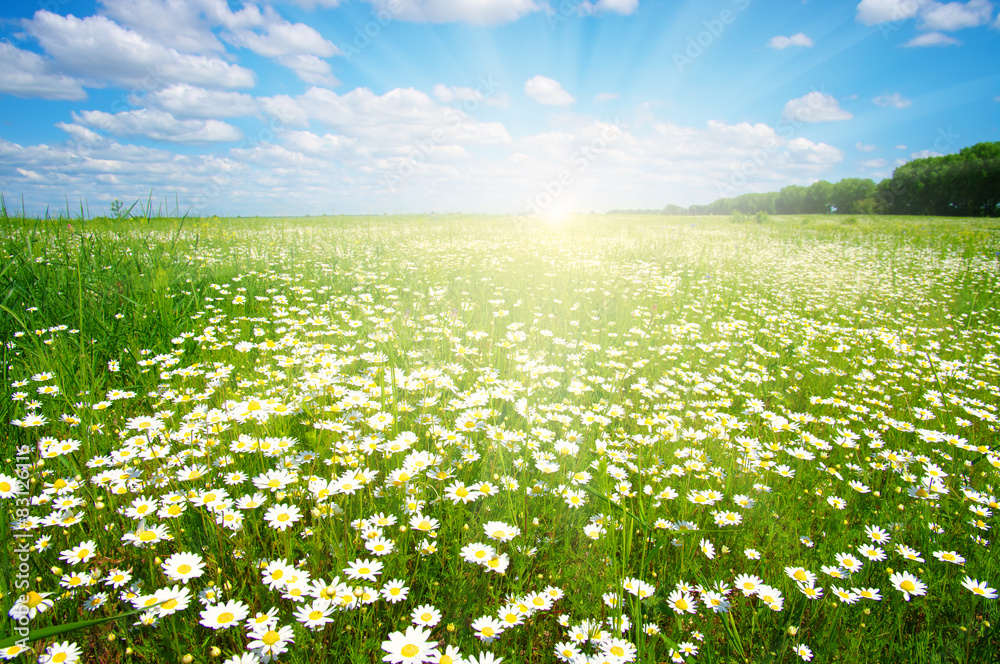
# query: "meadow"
484,439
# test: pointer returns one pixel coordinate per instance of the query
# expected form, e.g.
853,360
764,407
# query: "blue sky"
499,106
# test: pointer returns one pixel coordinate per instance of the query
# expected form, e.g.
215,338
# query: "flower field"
474,439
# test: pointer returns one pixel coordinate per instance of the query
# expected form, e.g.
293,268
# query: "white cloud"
864,148
895,100
814,107
606,96
932,39
310,69
625,7
451,94
871,12
955,15
874,163
272,37
547,92
158,125
923,154
187,101
27,74
780,42
99,49
478,12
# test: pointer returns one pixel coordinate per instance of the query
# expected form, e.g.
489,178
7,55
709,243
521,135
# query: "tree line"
963,184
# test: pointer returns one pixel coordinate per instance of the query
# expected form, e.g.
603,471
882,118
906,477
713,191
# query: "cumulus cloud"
27,74
480,12
188,101
955,15
873,163
625,7
931,39
606,96
547,92
814,107
780,42
158,125
894,100
871,12
864,148
100,50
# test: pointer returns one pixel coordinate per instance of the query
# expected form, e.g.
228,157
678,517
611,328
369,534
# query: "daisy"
80,553
804,652
908,584
949,557
268,642
451,655
224,616
183,566
682,602
500,531
801,575
812,592
848,562
316,614
61,653
872,552
487,629
845,596
31,605
172,600
277,573
477,553
425,615
412,647
394,591
380,546
12,652
868,593
363,569
568,652
748,584
281,517
979,588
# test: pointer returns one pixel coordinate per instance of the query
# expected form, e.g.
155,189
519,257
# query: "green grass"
641,361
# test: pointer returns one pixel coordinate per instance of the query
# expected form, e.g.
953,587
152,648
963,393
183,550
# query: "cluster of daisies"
454,387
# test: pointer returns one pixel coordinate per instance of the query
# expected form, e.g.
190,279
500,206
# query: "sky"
295,107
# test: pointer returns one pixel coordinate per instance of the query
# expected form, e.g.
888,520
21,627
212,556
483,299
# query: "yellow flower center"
183,569
409,650
224,618
908,586
270,637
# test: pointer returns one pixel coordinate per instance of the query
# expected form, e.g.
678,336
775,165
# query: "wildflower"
224,616
908,584
281,517
394,591
425,615
80,553
316,614
363,569
845,596
267,642
748,584
567,651
949,557
31,605
804,652
487,628
979,588
61,653
682,602
500,531
183,566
